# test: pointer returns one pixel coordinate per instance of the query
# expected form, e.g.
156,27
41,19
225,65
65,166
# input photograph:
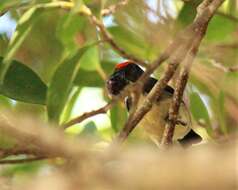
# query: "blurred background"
143,28
42,42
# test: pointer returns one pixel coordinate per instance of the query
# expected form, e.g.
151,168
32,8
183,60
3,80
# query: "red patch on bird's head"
123,65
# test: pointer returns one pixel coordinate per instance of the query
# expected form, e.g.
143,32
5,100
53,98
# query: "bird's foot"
178,121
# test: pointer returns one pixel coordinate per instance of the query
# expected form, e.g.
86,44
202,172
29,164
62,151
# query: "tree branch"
86,115
229,16
223,68
113,8
202,19
108,38
46,141
179,90
22,161
17,150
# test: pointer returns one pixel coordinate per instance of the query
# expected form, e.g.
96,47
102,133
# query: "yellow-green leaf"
62,83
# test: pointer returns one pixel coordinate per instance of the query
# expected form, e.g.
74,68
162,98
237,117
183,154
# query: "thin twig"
22,161
229,16
107,36
113,8
233,45
86,115
223,68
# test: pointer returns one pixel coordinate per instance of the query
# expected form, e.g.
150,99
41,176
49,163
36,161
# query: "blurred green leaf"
118,117
68,27
221,112
201,85
92,78
23,84
5,102
4,4
90,59
23,168
69,106
199,110
232,7
88,78
188,12
77,6
131,42
230,84
220,29
62,83
89,130
24,26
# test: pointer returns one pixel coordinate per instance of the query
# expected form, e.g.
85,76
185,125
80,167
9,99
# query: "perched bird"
154,121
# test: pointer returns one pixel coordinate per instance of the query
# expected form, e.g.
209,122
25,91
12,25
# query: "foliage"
55,49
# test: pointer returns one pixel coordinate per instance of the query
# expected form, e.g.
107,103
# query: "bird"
154,121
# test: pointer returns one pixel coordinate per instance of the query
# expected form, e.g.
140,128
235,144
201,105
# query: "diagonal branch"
86,115
108,38
113,8
223,68
154,94
200,23
179,90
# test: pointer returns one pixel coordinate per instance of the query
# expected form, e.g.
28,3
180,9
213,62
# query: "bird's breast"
155,120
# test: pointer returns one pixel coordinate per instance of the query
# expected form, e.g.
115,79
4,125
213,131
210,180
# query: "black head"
124,73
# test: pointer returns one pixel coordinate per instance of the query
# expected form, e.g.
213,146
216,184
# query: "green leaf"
4,4
68,27
70,105
131,42
199,110
230,84
232,7
5,102
90,129
23,84
118,117
24,26
201,86
94,80
78,4
62,83
221,112
188,12
217,33
22,169
90,60
88,78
